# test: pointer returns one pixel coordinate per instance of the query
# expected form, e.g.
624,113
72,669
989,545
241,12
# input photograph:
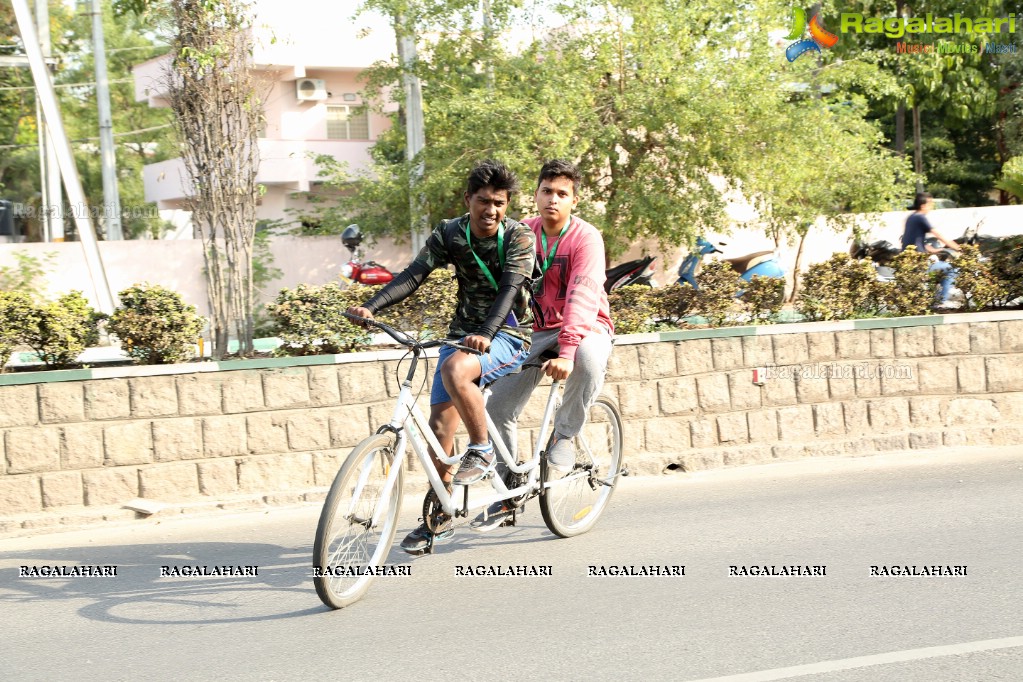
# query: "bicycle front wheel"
572,502
357,524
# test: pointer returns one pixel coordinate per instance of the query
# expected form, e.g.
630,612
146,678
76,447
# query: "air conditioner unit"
307,89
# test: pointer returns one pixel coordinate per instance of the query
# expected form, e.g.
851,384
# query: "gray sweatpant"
511,392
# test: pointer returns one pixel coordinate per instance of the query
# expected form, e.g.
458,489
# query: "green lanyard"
554,249
500,252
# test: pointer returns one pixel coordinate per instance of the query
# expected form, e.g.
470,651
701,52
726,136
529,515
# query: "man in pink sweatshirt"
571,318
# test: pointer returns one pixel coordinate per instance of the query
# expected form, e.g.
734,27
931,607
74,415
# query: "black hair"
559,168
493,174
921,199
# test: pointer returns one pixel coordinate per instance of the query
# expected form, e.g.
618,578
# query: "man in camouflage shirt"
493,259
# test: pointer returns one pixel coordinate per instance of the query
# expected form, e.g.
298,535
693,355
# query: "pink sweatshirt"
573,296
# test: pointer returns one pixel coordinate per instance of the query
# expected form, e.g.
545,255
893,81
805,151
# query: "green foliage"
913,290
16,312
1006,267
672,303
155,325
840,288
59,331
1012,178
652,140
263,272
26,274
309,319
763,298
427,312
719,284
141,131
974,279
631,309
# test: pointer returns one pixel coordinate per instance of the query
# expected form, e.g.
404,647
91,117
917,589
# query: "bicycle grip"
465,348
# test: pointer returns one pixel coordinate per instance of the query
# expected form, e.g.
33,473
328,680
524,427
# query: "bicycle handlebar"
405,340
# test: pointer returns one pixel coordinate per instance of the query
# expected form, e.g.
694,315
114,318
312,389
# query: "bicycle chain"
434,516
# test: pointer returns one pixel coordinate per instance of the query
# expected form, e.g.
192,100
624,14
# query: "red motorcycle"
355,270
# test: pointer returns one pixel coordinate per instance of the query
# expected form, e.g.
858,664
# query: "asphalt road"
944,508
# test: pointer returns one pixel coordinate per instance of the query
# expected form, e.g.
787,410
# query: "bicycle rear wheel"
572,502
348,546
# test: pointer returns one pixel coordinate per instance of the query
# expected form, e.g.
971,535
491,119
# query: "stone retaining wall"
81,444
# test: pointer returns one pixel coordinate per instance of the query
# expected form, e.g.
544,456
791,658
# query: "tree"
217,113
664,106
141,131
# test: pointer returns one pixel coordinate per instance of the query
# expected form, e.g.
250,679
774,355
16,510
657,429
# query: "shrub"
631,309
16,310
59,331
913,290
1006,267
155,325
670,304
840,288
426,313
309,319
764,297
719,284
974,279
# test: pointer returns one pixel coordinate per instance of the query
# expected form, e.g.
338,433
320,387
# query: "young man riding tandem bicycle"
493,259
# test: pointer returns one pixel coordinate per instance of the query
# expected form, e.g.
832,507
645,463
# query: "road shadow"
139,594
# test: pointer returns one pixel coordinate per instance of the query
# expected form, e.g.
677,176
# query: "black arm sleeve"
502,305
400,288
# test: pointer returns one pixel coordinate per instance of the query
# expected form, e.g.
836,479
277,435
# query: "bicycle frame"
412,428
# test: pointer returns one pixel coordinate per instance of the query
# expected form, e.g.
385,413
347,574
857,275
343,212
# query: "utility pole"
111,201
51,199
415,133
65,159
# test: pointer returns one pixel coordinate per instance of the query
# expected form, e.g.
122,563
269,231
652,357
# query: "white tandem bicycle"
360,515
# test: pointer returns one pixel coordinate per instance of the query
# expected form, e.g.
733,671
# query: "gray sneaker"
561,455
493,517
475,465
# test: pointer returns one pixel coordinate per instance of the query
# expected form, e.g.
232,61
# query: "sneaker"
561,455
418,540
475,465
494,517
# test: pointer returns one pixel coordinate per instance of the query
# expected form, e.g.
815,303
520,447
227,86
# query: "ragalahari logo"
819,36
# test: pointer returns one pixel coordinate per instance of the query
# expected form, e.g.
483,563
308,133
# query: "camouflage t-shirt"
447,245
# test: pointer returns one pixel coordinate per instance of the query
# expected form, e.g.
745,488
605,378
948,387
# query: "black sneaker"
495,516
475,465
418,540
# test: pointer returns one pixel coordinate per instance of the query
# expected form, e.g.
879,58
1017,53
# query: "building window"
347,123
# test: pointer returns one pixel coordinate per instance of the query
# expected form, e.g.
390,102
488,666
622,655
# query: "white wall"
178,264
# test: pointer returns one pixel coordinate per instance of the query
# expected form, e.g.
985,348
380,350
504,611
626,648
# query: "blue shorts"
506,354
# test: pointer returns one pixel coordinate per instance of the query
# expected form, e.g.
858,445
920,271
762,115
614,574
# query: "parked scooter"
634,272
763,263
355,270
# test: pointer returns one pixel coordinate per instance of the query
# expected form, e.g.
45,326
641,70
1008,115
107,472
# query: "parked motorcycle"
638,271
880,252
763,263
355,270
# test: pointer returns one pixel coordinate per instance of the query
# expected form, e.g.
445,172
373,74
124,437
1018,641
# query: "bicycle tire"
573,508
343,538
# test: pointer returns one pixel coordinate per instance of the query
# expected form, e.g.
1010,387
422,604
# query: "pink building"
313,53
